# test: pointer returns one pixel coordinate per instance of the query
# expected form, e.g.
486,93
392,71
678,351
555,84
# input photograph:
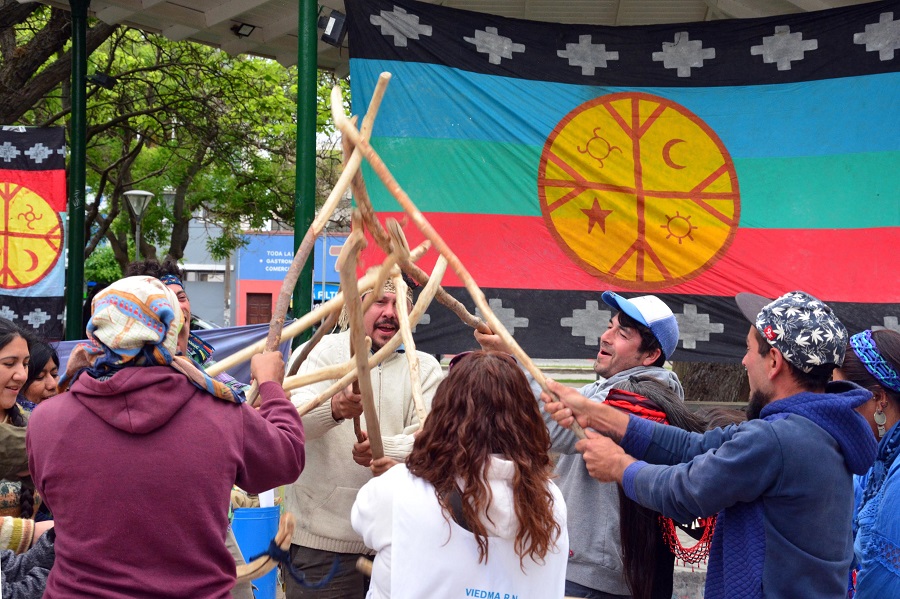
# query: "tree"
219,130
101,266
34,42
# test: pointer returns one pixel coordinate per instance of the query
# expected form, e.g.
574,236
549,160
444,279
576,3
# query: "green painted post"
77,172
305,192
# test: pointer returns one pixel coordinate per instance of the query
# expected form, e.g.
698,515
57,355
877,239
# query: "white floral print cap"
804,329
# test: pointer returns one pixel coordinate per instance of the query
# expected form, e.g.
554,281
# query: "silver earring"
880,420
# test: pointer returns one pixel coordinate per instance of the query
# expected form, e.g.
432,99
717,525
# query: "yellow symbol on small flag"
31,237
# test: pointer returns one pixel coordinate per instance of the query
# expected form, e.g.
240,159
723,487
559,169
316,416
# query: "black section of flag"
41,316
841,42
568,324
34,149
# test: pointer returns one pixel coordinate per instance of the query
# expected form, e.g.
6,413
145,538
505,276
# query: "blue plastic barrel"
254,528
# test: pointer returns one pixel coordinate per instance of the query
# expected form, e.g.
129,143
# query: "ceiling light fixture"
243,29
334,27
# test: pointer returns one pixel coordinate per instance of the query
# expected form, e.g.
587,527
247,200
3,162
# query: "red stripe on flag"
518,252
49,185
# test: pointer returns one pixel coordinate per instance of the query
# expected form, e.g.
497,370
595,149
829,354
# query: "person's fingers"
592,434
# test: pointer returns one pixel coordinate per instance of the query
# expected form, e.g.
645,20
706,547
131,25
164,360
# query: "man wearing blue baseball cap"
780,482
638,340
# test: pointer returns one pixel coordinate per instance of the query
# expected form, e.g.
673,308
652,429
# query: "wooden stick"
355,243
381,237
361,196
442,297
327,326
325,212
411,356
432,235
421,306
364,566
357,227
305,321
323,374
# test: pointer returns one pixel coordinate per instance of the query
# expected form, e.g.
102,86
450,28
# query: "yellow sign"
30,237
638,190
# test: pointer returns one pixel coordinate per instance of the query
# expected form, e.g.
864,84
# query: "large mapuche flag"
692,161
32,209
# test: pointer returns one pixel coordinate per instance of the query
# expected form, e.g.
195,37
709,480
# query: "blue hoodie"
782,487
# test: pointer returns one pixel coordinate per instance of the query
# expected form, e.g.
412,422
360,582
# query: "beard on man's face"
758,400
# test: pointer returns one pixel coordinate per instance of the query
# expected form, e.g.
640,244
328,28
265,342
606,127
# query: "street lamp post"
138,200
168,197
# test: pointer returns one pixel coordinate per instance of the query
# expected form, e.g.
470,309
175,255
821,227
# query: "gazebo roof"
274,22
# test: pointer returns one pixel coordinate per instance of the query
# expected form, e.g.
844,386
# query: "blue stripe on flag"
832,116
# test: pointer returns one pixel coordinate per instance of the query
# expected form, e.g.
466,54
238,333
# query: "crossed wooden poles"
399,258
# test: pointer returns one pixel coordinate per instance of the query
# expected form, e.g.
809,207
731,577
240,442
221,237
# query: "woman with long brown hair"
473,511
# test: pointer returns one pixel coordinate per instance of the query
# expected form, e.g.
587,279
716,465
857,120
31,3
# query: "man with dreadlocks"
323,496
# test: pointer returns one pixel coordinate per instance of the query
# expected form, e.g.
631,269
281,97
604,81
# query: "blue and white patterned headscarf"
884,372
135,322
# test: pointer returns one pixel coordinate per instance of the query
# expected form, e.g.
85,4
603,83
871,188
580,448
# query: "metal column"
305,193
77,172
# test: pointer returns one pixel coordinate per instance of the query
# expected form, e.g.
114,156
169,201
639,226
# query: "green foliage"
101,266
220,130
225,244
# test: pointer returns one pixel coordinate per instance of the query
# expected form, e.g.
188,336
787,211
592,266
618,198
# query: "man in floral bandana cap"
781,482
803,330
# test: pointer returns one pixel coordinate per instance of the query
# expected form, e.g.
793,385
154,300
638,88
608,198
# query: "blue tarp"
226,341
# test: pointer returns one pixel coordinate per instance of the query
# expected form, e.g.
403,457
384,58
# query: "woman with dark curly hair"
473,511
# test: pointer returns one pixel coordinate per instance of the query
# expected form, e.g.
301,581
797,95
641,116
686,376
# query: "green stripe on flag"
816,192
820,192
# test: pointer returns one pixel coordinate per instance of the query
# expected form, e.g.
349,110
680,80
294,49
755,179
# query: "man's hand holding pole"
605,460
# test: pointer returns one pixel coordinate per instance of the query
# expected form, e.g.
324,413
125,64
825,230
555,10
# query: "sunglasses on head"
457,359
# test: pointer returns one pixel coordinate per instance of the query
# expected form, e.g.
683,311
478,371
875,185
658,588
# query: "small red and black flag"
32,213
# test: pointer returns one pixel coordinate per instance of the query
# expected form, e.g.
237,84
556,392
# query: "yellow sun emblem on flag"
30,237
638,190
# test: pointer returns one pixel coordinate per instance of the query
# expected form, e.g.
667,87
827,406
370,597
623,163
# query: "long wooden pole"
354,244
325,212
305,321
421,306
383,239
412,357
380,169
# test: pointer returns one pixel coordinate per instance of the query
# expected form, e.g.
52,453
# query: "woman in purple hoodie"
135,456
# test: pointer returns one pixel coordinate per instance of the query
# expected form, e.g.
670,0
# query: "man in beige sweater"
323,495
